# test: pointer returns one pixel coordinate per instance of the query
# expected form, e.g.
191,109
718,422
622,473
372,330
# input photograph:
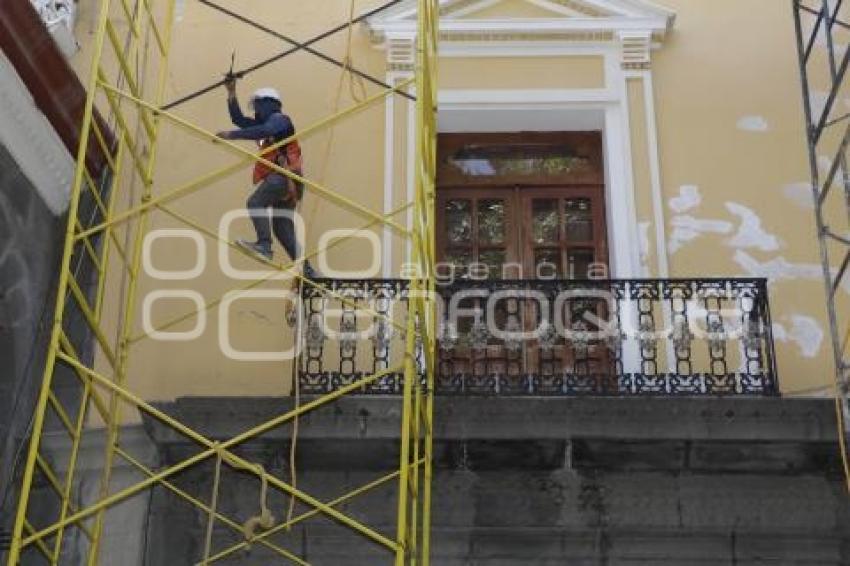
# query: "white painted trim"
623,248
504,48
472,8
623,236
389,178
32,142
556,8
535,26
632,236
627,8
655,174
512,98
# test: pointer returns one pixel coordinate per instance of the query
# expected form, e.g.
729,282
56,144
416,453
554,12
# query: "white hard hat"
265,93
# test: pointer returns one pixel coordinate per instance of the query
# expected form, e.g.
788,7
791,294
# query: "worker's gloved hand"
223,135
230,86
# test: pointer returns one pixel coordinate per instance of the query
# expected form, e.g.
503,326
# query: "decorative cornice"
401,53
636,49
491,36
581,8
635,26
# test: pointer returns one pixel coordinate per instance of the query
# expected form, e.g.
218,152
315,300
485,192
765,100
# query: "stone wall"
30,246
537,482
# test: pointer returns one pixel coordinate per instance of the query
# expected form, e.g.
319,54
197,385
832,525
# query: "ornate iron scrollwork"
611,346
479,335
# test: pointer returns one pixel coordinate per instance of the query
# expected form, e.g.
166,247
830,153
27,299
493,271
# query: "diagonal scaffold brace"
128,79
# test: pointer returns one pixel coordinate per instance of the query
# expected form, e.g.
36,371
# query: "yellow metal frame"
105,392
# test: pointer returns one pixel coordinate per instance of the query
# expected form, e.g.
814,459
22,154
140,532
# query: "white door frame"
606,110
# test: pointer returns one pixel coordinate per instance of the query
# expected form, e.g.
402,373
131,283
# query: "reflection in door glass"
578,220
479,160
491,221
545,221
578,263
547,263
459,221
494,260
460,259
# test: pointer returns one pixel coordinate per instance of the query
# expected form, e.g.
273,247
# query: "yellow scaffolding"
138,117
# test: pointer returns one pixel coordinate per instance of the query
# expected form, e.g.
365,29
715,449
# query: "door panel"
477,227
564,232
552,229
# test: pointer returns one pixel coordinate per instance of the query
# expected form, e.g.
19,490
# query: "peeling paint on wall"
804,331
688,199
750,233
687,228
800,194
753,124
779,269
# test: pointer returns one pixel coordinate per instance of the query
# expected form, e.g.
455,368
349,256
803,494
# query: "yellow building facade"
696,106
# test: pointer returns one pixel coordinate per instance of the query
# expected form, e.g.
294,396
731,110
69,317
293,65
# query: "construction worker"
273,190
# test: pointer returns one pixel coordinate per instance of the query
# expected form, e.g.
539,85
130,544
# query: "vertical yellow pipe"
404,439
100,291
61,294
130,302
427,101
109,233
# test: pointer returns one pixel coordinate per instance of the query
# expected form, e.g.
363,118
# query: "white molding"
472,8
620,195
623,240
655,175
624,40
389,177
510,98
534,26
505,48
632,8
32,142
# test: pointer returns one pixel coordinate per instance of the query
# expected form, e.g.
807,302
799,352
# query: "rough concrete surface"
29,248
537,482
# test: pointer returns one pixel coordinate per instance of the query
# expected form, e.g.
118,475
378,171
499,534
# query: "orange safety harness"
288,156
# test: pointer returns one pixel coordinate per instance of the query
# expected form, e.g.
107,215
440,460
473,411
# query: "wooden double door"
522,232
519,207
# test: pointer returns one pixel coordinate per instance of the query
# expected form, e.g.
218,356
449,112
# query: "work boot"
256,248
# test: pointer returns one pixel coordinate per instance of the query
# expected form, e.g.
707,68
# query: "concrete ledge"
504,418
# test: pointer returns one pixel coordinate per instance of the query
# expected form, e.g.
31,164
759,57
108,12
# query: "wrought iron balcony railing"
551,337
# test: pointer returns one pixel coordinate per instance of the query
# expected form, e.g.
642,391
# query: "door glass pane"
494,260
459,259
491,221
578,262
547,263
458,221
480,160
578,220
544,220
